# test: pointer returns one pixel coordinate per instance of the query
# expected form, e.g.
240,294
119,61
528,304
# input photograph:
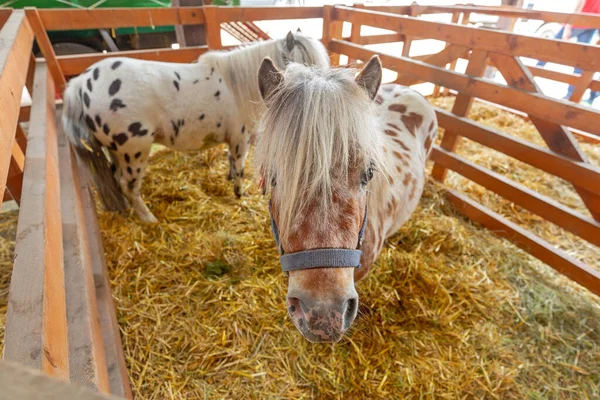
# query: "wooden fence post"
462,106
332,29
43,41
455,20
213,27
355,32
189,35
464,20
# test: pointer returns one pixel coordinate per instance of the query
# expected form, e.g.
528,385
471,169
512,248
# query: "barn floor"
451,311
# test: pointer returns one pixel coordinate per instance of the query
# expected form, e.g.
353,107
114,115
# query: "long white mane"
239,67
319,125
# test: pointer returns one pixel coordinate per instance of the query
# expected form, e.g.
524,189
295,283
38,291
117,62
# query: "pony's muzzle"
322,321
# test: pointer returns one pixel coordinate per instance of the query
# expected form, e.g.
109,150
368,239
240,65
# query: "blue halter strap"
319,258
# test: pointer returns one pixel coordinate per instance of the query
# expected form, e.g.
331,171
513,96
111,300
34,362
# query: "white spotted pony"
327,139
125,105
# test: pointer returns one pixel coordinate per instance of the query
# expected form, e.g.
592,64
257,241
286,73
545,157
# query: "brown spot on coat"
404,147
427,144
412,121
407,179
390,132
378,99
431,126
401,108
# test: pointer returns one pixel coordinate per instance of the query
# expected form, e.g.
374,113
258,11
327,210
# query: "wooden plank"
19,382
580,19
16,40
189,35
331,30
572,268
582,85
412,12
36,324
21,138
463,20
555,111
251,14
14,182
355,33
43,41
113,346
67,19
556,136
440,59
30,74
521,195
381,38
561,77
6,197
582,56
462,106
87,363
578,173
456,17
24,113
213,27
73,65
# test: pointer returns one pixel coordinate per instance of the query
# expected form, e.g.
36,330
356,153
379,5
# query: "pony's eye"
367,176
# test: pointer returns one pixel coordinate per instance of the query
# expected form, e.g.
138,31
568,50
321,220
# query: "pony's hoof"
149,219
238,191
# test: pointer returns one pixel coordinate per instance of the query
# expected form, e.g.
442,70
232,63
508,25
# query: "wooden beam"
43,41
556,136
561,77
580,19
96,18
578,173
24,113
19,382
555,111
355,33
87,363
73,65
412,12
213,27
582,85
463,20
16,40
189,35
462,106
577,55
543,206
36,324
456,17
331,30
572,268
251,14
440,59
14,182
111,336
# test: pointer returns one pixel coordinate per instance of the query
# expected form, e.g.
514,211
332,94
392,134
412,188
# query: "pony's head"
317,152
297,48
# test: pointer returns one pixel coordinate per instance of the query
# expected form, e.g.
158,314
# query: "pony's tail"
90,151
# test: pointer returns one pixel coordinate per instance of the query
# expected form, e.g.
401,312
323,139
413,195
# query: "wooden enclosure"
61,317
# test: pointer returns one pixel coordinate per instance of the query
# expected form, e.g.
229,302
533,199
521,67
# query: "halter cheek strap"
319,258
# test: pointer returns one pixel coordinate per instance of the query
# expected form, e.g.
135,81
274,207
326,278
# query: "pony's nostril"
350,310
294,305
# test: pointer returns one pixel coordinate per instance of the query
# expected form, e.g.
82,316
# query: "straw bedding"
450,311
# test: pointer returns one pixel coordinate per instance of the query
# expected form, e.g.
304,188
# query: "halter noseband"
319,258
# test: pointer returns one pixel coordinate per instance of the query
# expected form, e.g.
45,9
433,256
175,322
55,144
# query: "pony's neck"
239,69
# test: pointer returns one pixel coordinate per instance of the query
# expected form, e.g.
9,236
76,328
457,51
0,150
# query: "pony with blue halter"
329,138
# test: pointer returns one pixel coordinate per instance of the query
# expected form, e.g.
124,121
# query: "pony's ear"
369,77
269,78
289,41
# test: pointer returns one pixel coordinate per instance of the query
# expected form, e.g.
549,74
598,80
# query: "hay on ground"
449,311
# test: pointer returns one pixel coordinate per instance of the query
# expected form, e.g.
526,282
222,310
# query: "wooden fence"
61,318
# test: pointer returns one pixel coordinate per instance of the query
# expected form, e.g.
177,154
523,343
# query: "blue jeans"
583,36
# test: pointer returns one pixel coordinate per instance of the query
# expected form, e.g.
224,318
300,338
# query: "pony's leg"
238,150
231,174
132,170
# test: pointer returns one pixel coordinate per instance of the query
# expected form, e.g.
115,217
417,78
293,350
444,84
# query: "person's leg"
558,36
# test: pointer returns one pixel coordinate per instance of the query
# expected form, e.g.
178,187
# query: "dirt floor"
450,311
